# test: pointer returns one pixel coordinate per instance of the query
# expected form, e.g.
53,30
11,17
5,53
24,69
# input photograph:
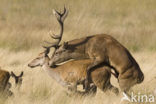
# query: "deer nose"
29,65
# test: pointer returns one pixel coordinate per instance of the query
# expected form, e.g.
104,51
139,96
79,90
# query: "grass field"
25,24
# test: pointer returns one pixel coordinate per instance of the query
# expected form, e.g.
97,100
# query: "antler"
21,74
47,49
60,17
12,74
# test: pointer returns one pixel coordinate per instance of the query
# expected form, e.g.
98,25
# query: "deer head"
41,59
63,53
18,79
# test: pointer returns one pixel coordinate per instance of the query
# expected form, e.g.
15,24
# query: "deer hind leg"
113,89
126,84
110,87
105,85
90,68
72,89
126,81
93,89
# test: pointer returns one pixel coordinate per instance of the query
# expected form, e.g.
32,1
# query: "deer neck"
79,55
53,72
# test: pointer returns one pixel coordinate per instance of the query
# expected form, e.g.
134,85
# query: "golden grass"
24,25
39,88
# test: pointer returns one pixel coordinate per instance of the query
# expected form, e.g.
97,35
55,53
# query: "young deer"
70,74
5,85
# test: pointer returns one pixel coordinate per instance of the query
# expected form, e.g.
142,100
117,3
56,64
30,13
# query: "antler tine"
57,14
47,49
21,74
64,14
61,14
60,17
64,10
54,36
51,44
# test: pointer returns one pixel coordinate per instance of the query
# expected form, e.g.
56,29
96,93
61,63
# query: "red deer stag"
101,49
73,73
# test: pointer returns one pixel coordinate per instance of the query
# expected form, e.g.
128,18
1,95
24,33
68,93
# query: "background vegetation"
24,24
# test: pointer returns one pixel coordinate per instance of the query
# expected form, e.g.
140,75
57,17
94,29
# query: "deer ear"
65,45
12,74
21,74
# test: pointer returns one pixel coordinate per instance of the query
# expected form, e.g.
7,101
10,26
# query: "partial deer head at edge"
18,78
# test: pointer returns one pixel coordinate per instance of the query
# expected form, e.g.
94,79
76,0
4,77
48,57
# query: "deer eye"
56,53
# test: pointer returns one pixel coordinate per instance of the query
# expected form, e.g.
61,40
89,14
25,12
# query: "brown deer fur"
74,73
5,85
102,49
4,78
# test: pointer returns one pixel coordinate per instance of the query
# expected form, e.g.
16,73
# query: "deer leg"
89,70
115,90
93,89
72,87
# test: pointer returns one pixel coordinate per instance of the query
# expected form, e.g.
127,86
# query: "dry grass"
24,25
39,88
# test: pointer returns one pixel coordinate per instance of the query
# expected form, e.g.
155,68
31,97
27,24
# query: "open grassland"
39,88
25,24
